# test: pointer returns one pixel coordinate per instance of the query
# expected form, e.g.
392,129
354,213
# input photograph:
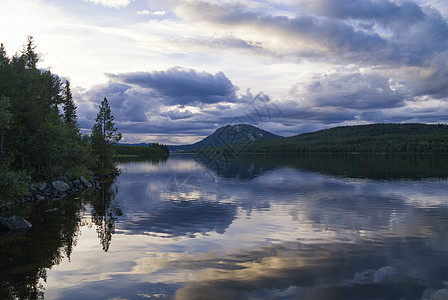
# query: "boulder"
77,184
42,186
85,182
15,223
60,185
39,197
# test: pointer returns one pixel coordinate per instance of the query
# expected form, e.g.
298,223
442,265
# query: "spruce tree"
69,106
29,54
104,135
5,120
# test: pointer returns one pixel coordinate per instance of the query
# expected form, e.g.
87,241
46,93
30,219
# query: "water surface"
258,227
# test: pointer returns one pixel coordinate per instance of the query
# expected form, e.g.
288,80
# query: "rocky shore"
54,190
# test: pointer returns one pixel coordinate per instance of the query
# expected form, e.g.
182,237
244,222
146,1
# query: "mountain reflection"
372,166
258,227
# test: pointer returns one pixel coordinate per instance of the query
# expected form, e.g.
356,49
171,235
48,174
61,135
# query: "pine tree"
5,119
29,54
104,135
69,106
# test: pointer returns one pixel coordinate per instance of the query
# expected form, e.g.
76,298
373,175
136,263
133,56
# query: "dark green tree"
4,67
30,56
69,106
5,120
38,138
104,136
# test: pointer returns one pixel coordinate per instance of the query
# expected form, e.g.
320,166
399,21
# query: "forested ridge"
374,138
154,149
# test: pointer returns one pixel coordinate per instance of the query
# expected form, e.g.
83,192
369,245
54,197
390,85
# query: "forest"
40,138
154,149
411,138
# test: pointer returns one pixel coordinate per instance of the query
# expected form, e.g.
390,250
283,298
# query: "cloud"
353,90
177,114
175,102
153,13
111,3
383,11
364,32
167,105
182,86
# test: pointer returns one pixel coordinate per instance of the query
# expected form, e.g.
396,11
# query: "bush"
12,184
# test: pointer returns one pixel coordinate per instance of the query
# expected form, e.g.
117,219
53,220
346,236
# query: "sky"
175,71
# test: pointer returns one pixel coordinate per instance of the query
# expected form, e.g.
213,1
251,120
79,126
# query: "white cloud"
159,13
143,12
154,13
111,3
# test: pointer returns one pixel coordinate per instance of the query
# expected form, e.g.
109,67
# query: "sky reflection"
185,232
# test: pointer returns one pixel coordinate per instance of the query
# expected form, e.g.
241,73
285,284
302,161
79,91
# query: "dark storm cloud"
177,114
413,33
160,102
181,86
382,11
128,104
433,114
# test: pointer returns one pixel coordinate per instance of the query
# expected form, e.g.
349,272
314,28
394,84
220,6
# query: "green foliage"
35,136
154,149
5,120
375,138
104,136
69,106
12,184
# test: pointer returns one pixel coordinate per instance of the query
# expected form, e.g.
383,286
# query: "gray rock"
77,184
15,223
42,186
85,182
60,185
38,197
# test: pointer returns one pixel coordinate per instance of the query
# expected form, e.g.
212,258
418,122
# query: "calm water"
259,227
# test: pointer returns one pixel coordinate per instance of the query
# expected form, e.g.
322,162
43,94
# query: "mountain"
373,138
241,135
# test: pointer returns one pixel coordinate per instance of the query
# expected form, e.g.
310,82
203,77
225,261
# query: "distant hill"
139,144
142,149
241,135
374,138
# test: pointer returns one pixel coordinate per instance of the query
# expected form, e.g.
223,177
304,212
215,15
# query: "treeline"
39,134
374,138
153,149
40,138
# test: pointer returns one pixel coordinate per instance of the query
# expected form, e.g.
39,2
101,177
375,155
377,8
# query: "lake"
247,227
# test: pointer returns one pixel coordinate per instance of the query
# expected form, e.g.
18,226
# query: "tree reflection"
373,166
105,212
24,259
